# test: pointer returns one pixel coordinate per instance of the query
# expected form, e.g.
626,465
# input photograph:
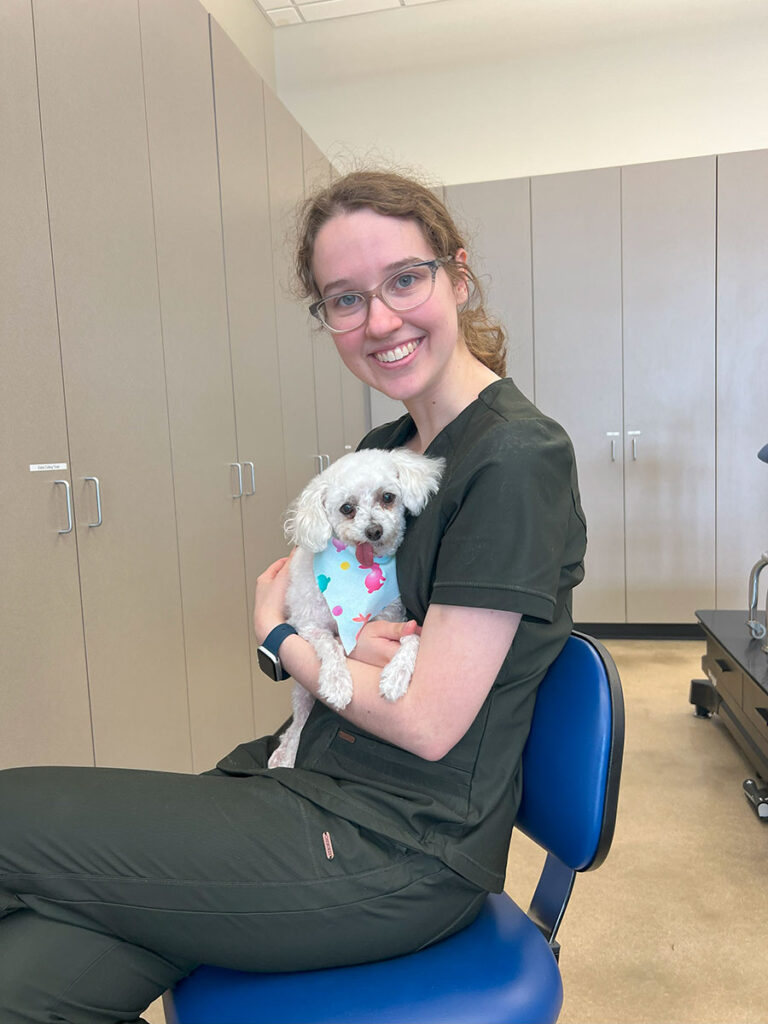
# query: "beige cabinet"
44,707
668,270
325,361
742,371
342,418
209,482
246,229
355,409
297,372
496,217
623,289
651,321
141,385
577,300
102,237
623,342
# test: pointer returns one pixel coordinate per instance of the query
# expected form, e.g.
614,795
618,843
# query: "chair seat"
499,970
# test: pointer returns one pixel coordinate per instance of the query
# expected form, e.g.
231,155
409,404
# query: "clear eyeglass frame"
317,309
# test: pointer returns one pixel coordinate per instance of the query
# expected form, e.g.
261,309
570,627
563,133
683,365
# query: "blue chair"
503,968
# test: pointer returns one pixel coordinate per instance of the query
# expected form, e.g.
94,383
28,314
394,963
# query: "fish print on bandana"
355,585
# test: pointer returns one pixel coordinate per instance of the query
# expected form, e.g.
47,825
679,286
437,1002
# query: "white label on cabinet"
46,467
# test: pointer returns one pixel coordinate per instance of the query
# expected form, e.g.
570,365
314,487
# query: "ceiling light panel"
282,13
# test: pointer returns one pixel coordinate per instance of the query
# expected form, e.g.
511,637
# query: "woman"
397,817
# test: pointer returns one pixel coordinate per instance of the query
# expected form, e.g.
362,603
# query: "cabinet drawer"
723,671
755,704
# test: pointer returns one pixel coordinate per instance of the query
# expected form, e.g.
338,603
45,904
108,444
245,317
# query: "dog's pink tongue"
364,554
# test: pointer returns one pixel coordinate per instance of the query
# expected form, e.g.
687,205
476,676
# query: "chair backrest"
572,760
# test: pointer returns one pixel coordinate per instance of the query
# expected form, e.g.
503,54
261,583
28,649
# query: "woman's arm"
460,654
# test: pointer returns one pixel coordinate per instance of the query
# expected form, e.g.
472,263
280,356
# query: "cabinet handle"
253,479
65,483
325,461
319,460
634,434
95,480
239,468
613,434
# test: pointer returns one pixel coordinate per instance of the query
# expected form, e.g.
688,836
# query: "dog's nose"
373,532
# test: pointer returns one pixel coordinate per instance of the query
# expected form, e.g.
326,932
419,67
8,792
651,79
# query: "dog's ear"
307,523
419,477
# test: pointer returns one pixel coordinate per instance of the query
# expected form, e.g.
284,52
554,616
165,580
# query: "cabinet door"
327,365
497,218
577,312
190,264
44,709
356,407
669,402
742,371
384,409
95,142
297,378
250,300
353,403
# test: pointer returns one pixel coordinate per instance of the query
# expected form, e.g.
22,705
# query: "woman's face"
407,354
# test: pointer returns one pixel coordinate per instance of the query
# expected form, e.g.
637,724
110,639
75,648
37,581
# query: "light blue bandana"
356,589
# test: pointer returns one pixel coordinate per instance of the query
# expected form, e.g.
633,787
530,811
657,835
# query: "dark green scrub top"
506,531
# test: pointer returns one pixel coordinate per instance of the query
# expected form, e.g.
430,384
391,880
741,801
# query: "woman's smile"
397,354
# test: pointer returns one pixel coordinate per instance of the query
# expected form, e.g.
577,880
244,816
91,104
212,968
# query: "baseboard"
641,630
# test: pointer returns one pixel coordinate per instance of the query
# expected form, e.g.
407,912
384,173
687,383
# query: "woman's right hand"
269,603
379,641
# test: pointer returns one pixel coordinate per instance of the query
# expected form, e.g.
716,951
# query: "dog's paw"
396,676
283,757
335,686
393,683
336,693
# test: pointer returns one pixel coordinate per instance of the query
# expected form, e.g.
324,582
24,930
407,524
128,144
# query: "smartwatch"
269,661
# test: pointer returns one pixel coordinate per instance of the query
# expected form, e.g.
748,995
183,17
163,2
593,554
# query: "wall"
539,87
250,31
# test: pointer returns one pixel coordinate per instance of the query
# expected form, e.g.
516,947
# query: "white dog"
346,525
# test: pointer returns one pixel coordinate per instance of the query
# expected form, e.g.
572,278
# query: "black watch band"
267,653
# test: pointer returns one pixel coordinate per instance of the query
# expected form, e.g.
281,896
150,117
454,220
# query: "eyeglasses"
406,289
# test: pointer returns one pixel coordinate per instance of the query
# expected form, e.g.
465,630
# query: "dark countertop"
730,630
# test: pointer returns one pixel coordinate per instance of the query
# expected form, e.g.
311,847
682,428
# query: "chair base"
499,970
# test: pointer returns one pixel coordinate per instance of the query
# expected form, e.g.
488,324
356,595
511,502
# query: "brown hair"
394,195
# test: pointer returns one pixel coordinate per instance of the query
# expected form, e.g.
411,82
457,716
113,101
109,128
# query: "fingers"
379,641
269,599
274,570
410,627
394,630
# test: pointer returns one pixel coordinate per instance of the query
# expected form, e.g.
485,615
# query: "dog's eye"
388,498
347,509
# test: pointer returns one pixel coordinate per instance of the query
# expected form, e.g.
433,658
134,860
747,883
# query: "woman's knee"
54,971
38,809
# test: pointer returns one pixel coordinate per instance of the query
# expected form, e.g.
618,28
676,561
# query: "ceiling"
281,13
505,22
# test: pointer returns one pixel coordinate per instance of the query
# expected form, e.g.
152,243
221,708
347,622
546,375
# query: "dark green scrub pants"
115,884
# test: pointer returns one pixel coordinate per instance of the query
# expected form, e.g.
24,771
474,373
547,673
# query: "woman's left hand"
379,641
269,604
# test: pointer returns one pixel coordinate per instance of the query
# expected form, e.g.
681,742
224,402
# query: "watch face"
269,663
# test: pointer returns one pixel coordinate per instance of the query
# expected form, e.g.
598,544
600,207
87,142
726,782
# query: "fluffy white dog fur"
362,498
